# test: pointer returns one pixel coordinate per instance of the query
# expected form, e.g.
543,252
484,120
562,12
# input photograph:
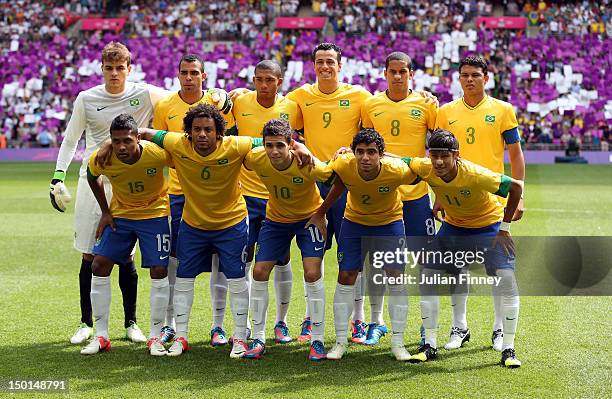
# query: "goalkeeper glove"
60,196
221,100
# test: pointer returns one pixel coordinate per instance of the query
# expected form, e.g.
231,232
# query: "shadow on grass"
284,370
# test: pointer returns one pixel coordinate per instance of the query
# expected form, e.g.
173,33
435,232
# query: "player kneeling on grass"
138,211
294,198
474,221
373,209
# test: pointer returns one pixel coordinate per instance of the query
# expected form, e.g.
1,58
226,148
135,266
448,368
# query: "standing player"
472,211
332,116
169,115
373,208
294,197
93,112
214,217
252,111
138,211
403,119
484,126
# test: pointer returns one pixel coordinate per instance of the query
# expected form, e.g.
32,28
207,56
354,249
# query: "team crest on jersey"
416,113
134,102
223,161
489,119
151,171
340,256
284,116
298,180
465,192
345,103
383,189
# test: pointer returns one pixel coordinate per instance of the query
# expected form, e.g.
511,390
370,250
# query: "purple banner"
35,154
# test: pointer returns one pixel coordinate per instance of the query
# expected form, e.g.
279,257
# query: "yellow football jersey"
470,199
479,129
140,189
330,120
250,119
169,114
403,125
213,200
375,202
294,196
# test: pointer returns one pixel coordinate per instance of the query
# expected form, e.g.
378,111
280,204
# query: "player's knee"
261,272
88,257
347,277
158,272
310,276
101,266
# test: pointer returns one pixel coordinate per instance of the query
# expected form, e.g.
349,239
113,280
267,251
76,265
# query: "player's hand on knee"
429,97
105,220
437,208
221,100
518,214
340,151
319,221
234,94
59,194
105,154
504,240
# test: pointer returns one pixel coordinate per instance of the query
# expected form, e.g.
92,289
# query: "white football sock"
307,313
160,290
459,296
497,309
344,298
283,284
376,294
183,301
100,303
430,307
510,306
218,293
239,303
259,308
316,299
172,266
358,312
398,312
249,278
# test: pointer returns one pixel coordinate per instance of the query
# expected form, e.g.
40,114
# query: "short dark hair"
270,65
475,61
398,56
124,122
442,139
191,58
204,111
278,127
369,136
325,47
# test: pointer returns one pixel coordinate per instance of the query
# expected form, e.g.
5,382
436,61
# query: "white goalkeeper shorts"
87,214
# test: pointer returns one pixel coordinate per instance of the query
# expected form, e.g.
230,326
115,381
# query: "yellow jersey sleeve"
139,189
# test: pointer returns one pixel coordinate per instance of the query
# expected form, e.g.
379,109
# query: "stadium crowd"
37,91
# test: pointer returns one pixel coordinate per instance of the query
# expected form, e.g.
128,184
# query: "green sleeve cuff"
416,181
59,175
232,131
329,182
90,175
159,138
256,142
407,160
504,186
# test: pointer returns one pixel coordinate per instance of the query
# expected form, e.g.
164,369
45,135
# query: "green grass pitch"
564,342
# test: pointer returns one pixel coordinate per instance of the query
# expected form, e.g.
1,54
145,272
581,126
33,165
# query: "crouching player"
138,211
294,197
373,209
473,212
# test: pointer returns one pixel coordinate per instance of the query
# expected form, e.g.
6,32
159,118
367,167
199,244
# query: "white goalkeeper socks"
100,303
259,308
